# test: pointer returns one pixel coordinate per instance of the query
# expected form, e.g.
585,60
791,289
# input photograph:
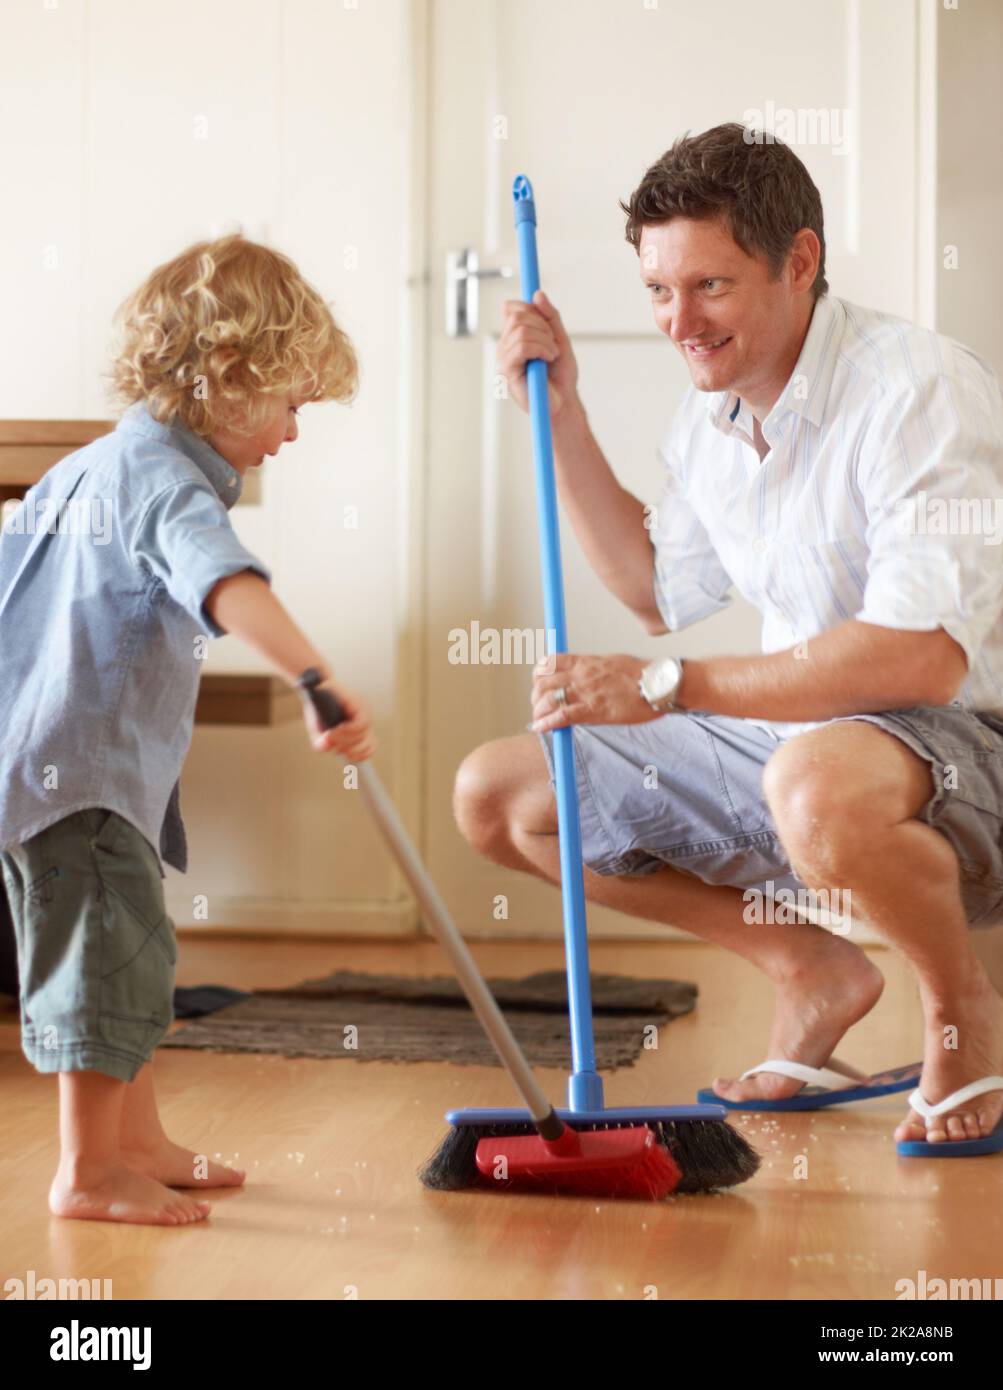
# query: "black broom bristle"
709,1153
452,1167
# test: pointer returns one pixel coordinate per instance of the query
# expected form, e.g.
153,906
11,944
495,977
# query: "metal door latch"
463,276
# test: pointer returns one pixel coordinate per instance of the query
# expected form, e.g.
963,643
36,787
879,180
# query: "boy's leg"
504,805
146,1148
92,1181
846,799
95,995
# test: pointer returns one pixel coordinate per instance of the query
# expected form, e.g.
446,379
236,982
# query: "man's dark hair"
757,183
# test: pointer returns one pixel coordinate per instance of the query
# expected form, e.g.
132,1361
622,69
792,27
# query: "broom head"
608,1163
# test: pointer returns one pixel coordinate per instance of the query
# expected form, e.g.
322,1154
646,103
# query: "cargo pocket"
127,869
138,945
137,967
971,816
39,890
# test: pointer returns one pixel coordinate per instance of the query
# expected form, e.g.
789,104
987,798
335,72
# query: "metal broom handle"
331,713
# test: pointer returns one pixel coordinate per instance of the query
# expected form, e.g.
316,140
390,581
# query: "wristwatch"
659,682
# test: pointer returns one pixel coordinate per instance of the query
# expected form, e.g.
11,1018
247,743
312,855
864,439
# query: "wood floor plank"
332,1207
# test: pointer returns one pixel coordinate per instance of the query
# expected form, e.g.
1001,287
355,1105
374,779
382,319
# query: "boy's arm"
243,604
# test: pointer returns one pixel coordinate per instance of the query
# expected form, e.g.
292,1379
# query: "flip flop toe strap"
969,1092
811,1076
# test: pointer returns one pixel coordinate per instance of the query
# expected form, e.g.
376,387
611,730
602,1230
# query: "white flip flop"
954,1148
836,1084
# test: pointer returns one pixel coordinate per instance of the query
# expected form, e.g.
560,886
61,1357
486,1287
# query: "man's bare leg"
844,799
505,807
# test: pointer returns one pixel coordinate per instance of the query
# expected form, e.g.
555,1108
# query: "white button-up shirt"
880,499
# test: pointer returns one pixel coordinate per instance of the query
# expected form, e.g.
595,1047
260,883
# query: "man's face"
729,319
248,451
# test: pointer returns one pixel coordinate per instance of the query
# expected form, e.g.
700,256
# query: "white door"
582,95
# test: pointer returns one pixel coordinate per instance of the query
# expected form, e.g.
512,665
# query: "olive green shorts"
96,949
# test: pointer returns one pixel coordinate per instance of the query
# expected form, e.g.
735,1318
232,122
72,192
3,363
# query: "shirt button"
231,482
759,544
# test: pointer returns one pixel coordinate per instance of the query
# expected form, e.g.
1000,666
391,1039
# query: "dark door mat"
404,1019
193,1001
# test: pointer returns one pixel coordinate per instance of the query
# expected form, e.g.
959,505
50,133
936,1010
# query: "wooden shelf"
247,701
29,448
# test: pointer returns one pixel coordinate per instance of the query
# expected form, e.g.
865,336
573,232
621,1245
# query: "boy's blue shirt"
104,567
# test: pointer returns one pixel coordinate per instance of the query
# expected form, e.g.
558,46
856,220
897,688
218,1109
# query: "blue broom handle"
585,1091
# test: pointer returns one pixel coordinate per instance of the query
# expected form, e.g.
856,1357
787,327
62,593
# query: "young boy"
114,570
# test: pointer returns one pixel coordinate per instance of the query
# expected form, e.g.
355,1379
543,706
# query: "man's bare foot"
112,1191
176,1166
978,1019
832,989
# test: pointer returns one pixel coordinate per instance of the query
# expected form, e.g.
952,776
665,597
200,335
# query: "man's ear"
803,259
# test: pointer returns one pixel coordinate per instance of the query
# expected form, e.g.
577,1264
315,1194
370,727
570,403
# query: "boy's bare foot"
176,1166
816,1003
112,1191
978,1019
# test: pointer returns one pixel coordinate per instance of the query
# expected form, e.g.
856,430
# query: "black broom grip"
330,710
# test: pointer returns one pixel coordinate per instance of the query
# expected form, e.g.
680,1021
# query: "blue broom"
551,1156
709,1153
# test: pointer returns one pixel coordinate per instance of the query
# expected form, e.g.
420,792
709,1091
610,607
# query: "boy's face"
248,451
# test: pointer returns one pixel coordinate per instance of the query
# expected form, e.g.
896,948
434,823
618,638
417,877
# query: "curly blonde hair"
212,337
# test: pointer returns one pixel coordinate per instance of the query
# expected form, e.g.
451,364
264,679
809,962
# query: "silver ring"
561,695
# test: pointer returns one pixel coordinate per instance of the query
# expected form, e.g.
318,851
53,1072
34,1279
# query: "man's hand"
530,331
353,738
599,690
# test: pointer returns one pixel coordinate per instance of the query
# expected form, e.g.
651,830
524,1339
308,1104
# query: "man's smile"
707,349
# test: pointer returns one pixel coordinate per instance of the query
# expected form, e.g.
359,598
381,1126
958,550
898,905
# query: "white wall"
306,108
128,130
970,176
968,287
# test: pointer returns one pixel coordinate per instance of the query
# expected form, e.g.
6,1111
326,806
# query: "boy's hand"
353,738
535,330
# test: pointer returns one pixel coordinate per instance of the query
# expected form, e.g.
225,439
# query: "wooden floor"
332,1205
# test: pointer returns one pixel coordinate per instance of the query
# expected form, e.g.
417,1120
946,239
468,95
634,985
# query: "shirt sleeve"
185,537
930,480
690,581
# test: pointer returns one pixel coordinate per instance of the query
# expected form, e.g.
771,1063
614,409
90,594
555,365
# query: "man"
863,751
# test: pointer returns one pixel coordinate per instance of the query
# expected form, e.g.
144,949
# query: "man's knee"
477,805
834,791
497,787
802,792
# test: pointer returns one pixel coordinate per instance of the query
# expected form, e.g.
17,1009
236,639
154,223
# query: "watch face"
666,679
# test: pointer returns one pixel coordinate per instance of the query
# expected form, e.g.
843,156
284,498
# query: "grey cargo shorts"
96,949
687,790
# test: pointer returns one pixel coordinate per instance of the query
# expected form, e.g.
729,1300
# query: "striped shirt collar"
226,481
807,388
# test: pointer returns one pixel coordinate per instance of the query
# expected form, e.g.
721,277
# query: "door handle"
463,277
